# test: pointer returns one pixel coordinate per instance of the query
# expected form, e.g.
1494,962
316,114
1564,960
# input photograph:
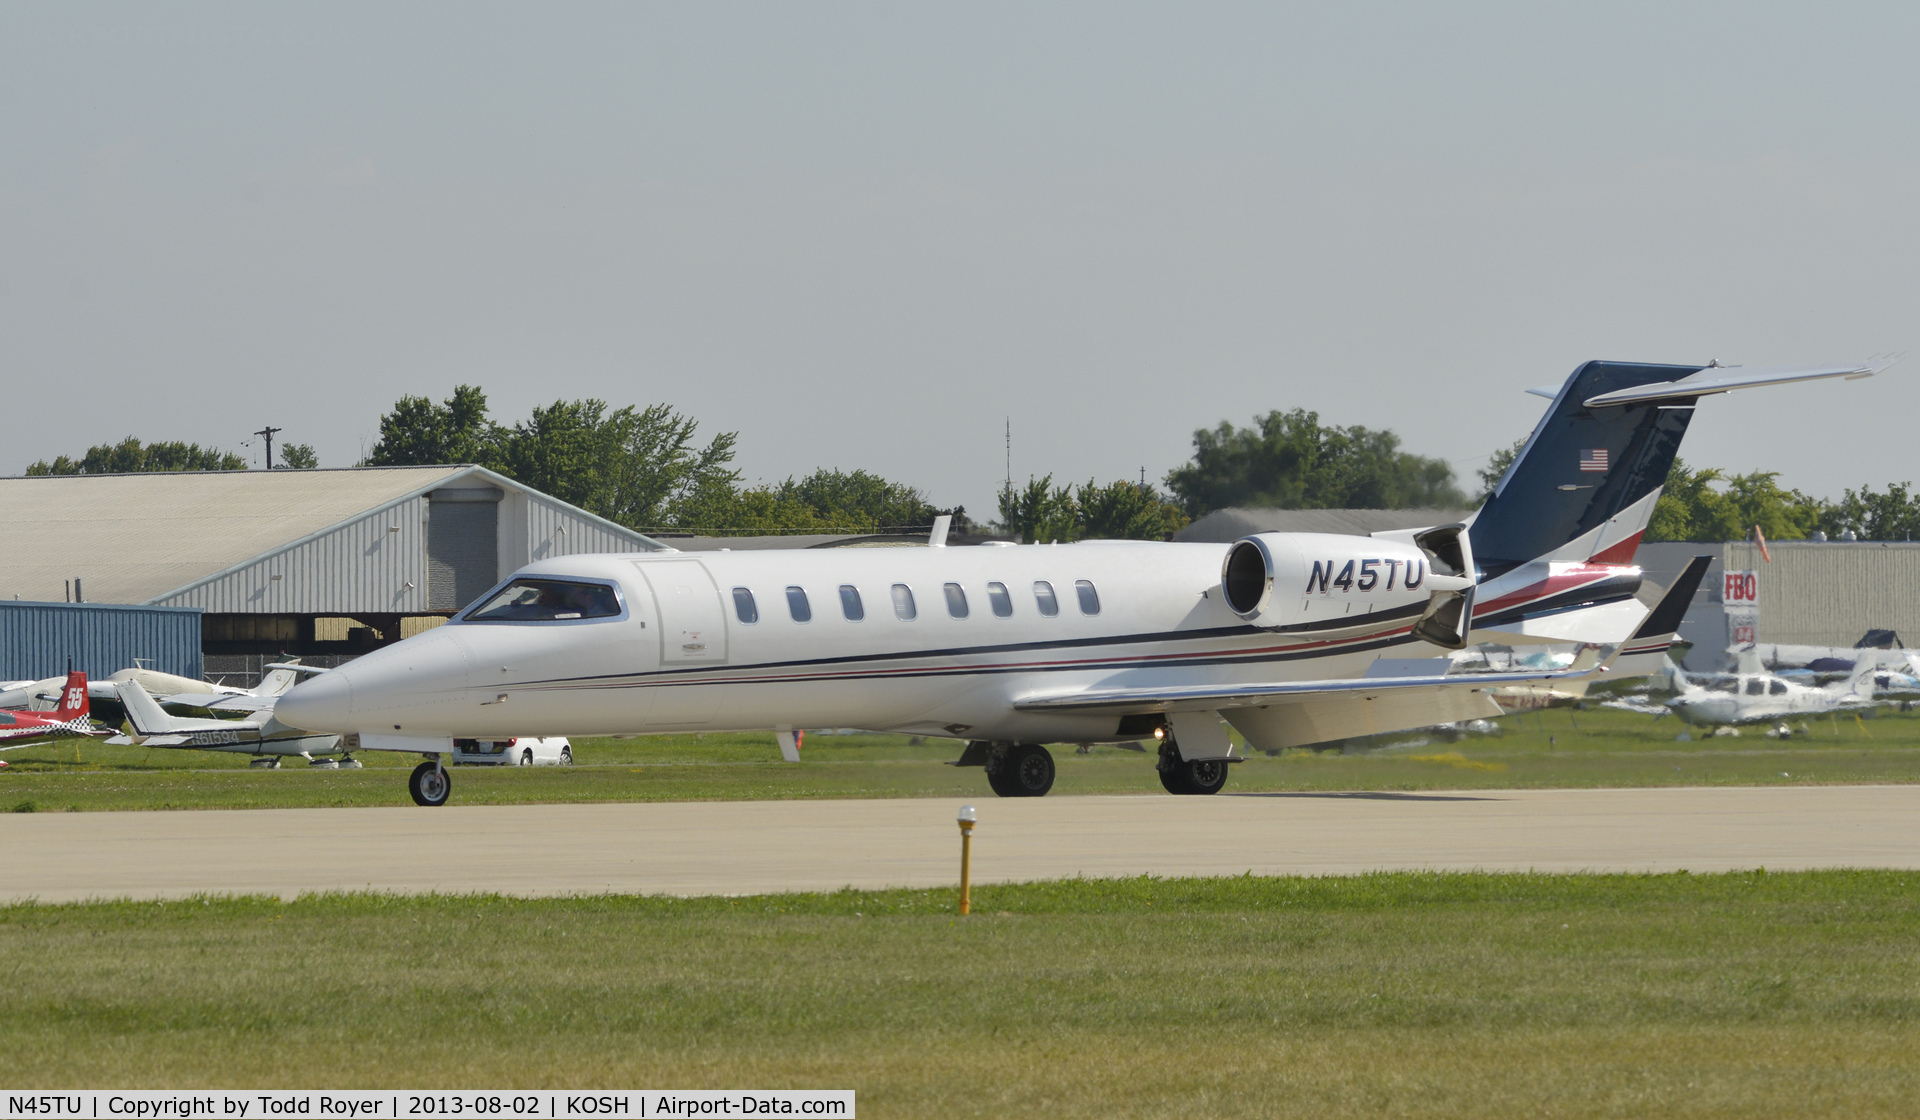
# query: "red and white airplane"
1292,638
70,718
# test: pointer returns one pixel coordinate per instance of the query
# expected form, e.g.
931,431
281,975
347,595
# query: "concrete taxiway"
765,846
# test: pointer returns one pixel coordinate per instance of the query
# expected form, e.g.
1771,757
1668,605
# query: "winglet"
937,538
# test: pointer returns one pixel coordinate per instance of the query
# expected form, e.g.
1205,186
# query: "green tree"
1040,511
655,465
723,509
1496,469
860,497
419,432
634,466
1890,516
1692,508
1291,460
130,456
1126,511
298,457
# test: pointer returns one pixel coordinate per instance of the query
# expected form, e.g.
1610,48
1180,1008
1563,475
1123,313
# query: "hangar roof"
133,538
1225,525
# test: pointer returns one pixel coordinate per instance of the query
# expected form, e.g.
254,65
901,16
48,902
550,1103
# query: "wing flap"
1321,720
1225,697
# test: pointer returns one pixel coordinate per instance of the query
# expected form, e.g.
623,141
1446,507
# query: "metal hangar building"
289,561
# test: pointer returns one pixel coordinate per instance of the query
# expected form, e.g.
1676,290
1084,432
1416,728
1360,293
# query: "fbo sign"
1742,589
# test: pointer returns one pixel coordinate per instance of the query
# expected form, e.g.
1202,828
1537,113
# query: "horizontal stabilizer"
1725,379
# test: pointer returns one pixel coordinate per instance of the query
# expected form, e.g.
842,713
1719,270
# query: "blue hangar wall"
36,639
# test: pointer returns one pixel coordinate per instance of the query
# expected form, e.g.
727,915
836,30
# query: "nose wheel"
430,784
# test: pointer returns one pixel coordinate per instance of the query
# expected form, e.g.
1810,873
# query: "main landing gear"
430,783
1199,776
1020,770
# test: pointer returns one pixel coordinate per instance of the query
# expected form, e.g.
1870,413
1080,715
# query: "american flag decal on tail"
1594,460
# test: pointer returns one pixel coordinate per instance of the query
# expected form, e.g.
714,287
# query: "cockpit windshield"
546,600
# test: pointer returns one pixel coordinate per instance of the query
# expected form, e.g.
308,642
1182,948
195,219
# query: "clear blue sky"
865,234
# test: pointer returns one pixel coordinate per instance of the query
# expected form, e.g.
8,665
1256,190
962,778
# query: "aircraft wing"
199,699
1639,704
1387,676
220,701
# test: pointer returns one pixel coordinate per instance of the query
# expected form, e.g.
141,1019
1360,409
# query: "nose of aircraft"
323,703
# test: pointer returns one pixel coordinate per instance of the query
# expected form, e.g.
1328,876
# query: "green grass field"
1384,995
1552,749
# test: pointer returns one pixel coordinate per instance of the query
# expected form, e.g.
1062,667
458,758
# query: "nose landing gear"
430,783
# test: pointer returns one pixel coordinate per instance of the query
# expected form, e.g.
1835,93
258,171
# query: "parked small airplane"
1753,695
274,683
69,718
1293,638
258,733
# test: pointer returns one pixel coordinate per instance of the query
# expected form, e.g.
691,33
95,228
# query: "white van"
512,752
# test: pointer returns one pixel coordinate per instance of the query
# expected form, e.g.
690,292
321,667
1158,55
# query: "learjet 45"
1291,638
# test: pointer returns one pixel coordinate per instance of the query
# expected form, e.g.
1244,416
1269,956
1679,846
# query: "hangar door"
463,545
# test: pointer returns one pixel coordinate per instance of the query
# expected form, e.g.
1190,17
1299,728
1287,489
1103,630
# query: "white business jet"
1292,638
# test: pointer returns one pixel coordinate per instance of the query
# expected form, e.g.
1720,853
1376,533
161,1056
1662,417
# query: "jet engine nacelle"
1327,581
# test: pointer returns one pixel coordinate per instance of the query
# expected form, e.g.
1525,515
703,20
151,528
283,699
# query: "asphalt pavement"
752,847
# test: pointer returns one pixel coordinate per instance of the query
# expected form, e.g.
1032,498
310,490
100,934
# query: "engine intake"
1330,582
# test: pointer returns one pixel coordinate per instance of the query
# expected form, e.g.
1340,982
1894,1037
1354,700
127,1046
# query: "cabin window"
1089,598
797,605
1001,602
850,604
547,600
956,600
1777,688
1043,598
903,602
1756,687
744,608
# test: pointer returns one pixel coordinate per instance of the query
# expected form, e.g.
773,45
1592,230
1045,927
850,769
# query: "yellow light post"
966,859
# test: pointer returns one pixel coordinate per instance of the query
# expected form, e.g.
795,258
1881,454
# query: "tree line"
130,456
650,470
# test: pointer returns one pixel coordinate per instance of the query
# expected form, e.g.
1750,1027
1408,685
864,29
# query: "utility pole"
267,432
1009,454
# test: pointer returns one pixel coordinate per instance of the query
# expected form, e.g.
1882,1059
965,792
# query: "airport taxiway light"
967,817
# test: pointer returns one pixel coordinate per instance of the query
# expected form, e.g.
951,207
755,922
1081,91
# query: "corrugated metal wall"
1830,594
36,639
376,564
557,530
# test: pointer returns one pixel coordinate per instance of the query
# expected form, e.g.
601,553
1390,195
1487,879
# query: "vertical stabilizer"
74,702
1584,485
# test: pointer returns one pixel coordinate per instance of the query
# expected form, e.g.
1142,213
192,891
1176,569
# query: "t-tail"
1553,545
1582,489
